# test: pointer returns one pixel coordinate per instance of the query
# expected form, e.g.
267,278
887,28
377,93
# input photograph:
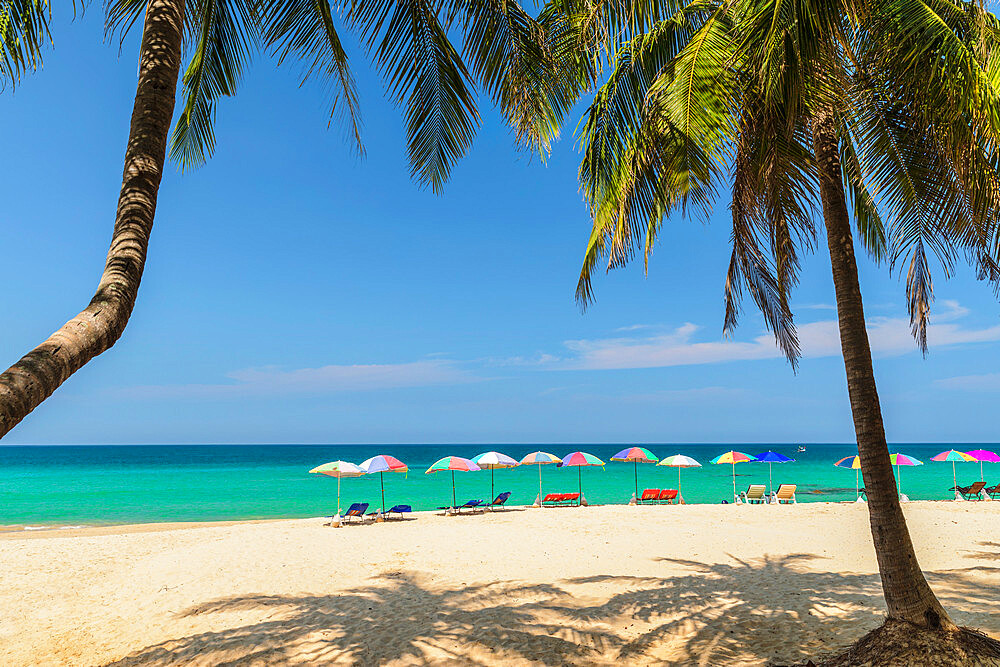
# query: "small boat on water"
801,448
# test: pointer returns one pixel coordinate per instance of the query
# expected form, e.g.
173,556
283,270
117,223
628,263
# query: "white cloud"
985,382
359,377
888,336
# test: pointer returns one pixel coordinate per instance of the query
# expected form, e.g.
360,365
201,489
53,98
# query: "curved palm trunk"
31,380
907,593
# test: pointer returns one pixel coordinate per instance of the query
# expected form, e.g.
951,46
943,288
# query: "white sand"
685,585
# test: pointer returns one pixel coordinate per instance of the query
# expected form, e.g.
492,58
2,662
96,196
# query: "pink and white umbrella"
539,459
983,455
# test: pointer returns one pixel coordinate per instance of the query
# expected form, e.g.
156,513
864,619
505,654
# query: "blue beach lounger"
356,511
499,500
470,505
399,509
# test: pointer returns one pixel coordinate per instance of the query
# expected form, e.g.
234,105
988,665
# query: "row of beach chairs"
358,512
975,491
756,494
560,499
658,497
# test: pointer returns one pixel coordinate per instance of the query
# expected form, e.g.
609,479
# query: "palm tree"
881,110
410,43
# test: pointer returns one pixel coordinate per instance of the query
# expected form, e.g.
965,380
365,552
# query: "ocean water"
92,485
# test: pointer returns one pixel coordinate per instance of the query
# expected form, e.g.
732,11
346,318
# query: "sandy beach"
676,585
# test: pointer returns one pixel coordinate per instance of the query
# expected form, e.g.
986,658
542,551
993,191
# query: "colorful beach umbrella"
954,456
902,460
679,461
982,455
338,469
493,461
635,455
580,460
733,458
539,459
380,464
453,464
854,463
770,458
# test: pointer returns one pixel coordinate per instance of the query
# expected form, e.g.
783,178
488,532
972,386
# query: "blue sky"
296,293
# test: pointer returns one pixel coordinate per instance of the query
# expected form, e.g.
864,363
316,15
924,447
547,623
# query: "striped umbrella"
733,458
453,464
493,461
983,455
579,460
539,459
953,456
380,464
338,469
636,455
854,463
902,460
679,461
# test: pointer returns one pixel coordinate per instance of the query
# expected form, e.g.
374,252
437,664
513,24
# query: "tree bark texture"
907,594
31,380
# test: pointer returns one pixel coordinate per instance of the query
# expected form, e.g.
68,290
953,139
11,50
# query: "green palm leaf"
306,29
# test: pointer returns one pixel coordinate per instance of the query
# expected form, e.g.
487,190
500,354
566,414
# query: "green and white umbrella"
338,469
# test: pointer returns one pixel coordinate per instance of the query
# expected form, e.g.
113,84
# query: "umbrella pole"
579,482
734,481
539,485
954,478
857,485
680,496
381,481
453,489
981,478
492,492
770,479
338,496
635,466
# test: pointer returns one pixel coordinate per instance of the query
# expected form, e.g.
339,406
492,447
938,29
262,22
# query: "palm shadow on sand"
711,614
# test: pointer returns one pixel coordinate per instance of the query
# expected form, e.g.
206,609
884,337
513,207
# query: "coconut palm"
884,111
409,42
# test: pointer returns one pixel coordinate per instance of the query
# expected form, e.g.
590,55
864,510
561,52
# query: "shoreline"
49,529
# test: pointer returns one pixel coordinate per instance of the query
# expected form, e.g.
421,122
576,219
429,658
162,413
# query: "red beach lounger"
649,496
668,496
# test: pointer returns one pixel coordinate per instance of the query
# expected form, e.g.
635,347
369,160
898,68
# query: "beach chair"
993,492
499,500
400,510
571,498
970,492
649,496
471,505
785,494
667,496
754,494
356,511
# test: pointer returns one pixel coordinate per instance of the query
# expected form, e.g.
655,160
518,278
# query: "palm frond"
224,36
24,31
306,29
423,70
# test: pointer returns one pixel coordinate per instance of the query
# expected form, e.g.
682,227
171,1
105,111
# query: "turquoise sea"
87,485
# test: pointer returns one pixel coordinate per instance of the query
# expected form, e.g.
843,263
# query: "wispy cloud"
818,306
324,379
986,382
888,336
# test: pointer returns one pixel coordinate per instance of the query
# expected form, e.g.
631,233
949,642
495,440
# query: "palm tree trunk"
907,594
31,380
